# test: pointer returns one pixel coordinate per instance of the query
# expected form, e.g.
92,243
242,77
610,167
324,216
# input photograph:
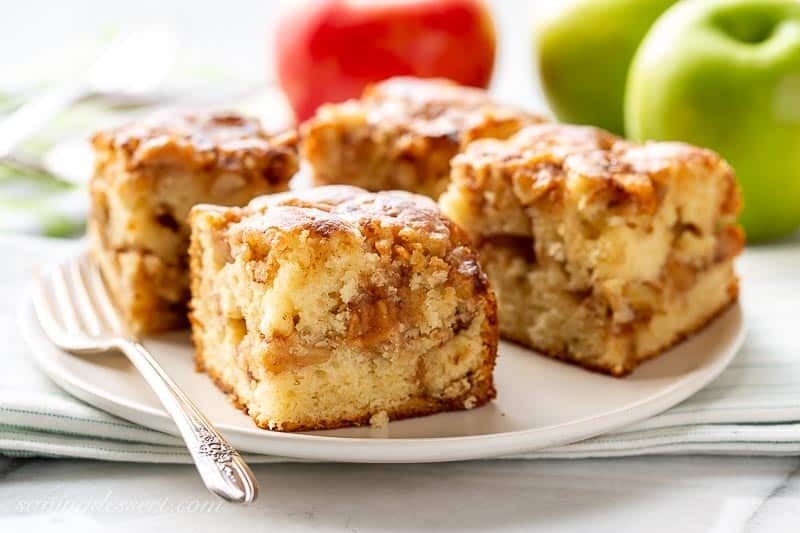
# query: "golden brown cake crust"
436,108
222,140
537,143
601,251
539,158
635,172
402,134
326,210
148,174
423,300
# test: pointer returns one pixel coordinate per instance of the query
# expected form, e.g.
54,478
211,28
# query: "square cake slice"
402,134
335,307
148,174
601,252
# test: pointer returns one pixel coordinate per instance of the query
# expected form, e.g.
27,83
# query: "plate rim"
305,446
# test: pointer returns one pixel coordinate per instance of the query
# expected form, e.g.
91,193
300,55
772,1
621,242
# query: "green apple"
584,49
725,74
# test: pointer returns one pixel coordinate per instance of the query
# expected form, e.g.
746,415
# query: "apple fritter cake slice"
148,174
402,134
601,252
333,307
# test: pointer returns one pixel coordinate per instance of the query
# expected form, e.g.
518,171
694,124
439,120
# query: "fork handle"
222,469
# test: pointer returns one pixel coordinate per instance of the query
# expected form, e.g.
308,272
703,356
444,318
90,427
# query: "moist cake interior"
601,252
334,306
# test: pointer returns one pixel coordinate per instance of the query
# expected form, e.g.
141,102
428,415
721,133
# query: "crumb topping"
537,144
436,108
408,241
546,157
223,140
381,419
395,215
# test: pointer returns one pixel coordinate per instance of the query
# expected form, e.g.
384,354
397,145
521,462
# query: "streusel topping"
223,140
436,107
324,210
540,158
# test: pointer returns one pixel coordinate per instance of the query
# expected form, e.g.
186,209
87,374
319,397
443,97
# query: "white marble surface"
669,494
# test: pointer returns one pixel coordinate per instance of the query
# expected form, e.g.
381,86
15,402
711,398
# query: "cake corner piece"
148,174
602,252
402,134
335,307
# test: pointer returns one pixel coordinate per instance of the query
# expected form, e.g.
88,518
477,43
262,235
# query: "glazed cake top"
222,140
433,107
549,157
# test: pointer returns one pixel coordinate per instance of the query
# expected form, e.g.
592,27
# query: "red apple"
329,50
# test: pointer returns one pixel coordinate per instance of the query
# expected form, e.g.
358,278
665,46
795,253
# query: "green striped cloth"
752,408
36,203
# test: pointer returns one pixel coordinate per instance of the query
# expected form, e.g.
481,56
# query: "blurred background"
723,74
230,39
223,58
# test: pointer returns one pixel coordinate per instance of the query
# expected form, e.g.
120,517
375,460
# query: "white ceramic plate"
540,403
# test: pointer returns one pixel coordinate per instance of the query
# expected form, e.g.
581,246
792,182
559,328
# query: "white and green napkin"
36,203
752,408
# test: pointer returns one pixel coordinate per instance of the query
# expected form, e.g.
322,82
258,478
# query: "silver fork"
84,321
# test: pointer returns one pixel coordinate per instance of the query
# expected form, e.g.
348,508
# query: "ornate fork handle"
220,466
